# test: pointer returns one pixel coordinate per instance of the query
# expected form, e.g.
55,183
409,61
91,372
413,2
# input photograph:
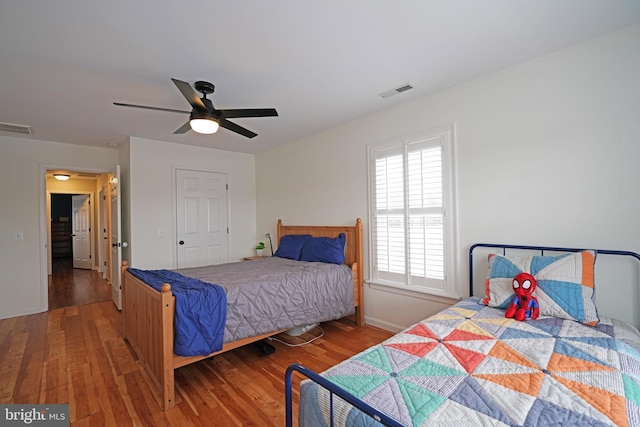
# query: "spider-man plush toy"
524,304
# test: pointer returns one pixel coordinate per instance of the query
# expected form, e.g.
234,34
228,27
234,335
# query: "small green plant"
260,245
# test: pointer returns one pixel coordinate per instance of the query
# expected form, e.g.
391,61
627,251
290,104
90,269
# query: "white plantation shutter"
411,235
426,240
389,184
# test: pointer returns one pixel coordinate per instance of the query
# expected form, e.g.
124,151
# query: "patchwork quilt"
469,365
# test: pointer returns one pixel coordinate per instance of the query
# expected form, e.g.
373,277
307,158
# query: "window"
411,213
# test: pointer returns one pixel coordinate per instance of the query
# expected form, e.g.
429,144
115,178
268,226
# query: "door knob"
181,242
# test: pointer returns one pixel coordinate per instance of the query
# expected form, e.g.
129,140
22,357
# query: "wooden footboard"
148,315
148,327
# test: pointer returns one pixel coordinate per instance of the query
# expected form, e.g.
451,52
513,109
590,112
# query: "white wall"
146,168
546,153
149,192
21,261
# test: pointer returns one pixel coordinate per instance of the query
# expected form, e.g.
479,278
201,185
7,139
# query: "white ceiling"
319,63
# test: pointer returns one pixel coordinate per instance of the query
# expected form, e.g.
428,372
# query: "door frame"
44,199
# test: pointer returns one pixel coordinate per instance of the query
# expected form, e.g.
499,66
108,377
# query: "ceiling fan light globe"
205,126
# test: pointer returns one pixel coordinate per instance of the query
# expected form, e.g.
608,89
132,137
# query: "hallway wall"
23,262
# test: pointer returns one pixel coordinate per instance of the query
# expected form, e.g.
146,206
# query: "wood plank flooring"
76,355
72,286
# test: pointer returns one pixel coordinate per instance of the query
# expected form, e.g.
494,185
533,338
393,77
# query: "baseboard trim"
387,326
25,312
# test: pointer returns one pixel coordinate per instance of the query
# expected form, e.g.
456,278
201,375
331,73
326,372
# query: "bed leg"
360,273
169,393
168,383
360,315
358,291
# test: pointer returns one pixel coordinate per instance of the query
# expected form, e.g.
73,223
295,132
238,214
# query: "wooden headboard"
353,252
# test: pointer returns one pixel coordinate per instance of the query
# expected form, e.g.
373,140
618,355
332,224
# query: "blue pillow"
291,246
324,249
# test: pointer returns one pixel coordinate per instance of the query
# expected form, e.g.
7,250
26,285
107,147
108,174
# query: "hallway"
69,286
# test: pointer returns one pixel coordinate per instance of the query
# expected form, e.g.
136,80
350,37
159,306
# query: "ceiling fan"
204,117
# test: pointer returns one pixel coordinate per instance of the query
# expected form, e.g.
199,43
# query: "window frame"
444,135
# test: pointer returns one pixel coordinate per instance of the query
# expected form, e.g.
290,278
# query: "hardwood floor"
76,355
69,286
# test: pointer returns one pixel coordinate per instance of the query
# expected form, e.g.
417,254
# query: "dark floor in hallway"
70,286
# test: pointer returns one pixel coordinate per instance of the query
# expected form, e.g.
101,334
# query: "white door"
202,219
81,230
116,242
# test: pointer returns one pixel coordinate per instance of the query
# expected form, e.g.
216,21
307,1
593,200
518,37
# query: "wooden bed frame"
148,314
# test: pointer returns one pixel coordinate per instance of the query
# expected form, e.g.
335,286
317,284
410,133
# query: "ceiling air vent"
396,90
10,127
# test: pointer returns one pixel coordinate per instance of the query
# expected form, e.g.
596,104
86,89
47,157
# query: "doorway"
74,276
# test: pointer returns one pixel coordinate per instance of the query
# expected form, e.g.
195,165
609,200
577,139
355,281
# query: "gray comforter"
269,294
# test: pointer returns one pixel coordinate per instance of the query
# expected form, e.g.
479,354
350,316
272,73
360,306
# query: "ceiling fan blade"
183,129
236,128
190,94
249,112
120,104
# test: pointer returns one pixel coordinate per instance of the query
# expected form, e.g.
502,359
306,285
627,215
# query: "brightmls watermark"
36,415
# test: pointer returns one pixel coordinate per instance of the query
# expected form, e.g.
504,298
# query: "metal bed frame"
504,248
334,390
369,410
